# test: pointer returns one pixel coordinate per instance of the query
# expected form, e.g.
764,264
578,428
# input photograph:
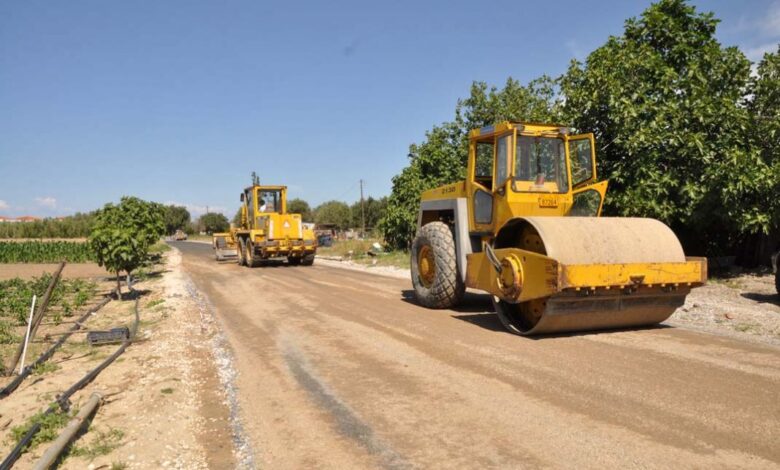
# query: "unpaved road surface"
340,369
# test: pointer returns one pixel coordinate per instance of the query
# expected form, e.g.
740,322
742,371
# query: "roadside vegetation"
75,226
358,252
685,134
124,233
45,252
15,295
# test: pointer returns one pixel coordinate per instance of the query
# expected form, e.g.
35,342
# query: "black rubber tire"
777,279
447,288
240,252
251,262
307,260
293,260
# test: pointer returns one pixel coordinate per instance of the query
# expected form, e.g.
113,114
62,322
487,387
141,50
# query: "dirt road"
339,369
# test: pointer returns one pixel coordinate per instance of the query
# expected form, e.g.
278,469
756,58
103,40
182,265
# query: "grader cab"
525,227
267,231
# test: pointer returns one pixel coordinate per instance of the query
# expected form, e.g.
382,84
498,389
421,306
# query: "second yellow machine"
524,226
267,231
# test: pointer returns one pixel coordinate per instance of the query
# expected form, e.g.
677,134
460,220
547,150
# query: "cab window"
581,161
586,204
249,205
483,166
540,165
502,159
268,201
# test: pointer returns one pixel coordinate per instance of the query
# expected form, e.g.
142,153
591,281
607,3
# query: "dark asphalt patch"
347,423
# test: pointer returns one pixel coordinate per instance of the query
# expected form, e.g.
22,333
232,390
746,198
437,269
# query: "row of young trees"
337,213
685,133
74,226
80,225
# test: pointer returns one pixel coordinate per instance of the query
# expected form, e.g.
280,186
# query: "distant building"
24,218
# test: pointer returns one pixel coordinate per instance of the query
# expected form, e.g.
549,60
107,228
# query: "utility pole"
362,209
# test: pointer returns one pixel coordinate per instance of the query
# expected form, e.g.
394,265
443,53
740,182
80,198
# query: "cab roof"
264,187
488,132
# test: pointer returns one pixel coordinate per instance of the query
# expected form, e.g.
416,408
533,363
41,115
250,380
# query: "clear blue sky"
179,101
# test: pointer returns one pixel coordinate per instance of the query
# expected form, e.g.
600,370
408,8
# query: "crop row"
68,296
44,252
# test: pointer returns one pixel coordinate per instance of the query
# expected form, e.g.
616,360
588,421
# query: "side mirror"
242,197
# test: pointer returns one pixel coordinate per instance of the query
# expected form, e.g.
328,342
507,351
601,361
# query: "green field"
45,252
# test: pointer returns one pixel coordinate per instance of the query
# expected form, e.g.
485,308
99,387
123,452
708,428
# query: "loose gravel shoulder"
164,404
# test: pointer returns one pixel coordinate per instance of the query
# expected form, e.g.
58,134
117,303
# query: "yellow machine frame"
272,234
516,275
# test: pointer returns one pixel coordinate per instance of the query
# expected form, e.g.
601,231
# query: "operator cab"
264,199
269,201
536,169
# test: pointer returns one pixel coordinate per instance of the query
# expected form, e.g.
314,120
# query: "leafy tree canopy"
333,212
122,234
684,134
665,102
299,206
176,218
212,222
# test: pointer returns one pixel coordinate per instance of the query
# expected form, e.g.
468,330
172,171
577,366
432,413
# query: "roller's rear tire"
435,277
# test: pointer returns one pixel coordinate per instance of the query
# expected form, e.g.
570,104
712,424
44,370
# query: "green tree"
212,222
333,212
73,226
764,108
374,211
299,206
664,100
176,218
441,158
123,233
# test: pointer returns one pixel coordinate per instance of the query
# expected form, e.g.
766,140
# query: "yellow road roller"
525,227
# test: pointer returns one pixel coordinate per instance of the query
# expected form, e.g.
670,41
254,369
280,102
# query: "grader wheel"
249,255
307,260
240,252
435,277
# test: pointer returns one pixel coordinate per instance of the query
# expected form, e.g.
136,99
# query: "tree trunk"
118,287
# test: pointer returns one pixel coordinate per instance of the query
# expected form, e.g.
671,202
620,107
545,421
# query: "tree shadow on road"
762,298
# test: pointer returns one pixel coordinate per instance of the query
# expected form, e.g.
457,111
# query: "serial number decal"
548,201
449,189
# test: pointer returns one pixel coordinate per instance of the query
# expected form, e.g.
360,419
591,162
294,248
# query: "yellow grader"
525,227
268,231
224,245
